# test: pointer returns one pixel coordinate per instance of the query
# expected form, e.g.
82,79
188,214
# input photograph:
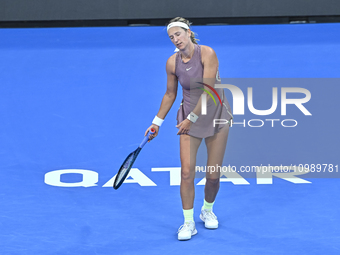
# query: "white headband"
177,24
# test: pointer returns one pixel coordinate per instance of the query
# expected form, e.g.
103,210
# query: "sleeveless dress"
190,75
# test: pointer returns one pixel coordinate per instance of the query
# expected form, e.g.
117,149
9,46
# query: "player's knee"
186,175
213,181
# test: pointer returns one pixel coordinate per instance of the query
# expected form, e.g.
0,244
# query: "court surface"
82,98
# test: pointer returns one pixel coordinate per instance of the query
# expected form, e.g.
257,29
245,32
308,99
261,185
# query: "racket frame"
117,184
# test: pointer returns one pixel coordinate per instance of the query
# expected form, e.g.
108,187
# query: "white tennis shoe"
187,230
209,219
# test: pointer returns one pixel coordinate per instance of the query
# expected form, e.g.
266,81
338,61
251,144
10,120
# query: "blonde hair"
180,19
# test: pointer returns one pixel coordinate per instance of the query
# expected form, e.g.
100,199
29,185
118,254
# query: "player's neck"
188,52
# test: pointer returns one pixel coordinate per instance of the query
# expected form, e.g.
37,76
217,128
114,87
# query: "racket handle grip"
146,138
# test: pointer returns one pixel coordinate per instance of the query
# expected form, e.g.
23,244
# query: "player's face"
179,37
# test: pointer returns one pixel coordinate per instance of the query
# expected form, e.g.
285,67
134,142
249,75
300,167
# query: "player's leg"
216,146
188,150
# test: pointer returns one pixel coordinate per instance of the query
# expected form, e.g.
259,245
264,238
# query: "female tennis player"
196,68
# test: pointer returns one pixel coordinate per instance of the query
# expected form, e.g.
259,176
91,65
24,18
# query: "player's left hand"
184,127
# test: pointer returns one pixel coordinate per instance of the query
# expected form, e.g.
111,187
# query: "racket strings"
125,168
128,161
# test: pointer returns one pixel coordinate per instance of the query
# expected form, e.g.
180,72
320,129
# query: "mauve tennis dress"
189,74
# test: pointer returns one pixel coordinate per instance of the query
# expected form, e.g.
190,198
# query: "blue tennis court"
74,102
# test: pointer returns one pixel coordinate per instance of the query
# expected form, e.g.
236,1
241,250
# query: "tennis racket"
128,162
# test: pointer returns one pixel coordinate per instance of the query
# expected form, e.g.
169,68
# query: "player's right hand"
152,136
